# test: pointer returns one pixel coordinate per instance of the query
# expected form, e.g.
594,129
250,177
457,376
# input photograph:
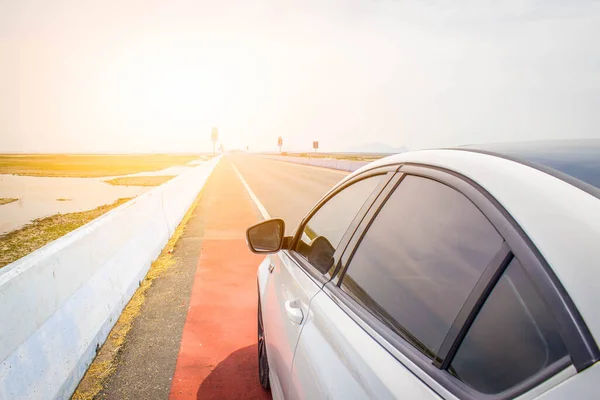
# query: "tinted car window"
513,337
324,231
420,259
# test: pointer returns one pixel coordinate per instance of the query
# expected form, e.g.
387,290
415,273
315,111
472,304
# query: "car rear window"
513,337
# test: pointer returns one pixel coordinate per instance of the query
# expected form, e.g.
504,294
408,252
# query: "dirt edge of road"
104,364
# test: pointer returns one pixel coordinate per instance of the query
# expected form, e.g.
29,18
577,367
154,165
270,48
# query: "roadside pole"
214,136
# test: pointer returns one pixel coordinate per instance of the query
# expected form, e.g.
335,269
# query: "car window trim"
463,321
388,172
581,346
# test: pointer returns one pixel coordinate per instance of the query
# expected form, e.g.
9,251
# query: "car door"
404,284
431,300
299,273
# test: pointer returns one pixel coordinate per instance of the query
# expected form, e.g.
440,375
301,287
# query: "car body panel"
286,283
581,386
336,358
548,384
276,390
262,275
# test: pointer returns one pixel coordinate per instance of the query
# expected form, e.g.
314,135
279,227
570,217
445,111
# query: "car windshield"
578,159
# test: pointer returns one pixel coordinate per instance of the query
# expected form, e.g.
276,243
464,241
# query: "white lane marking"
261,208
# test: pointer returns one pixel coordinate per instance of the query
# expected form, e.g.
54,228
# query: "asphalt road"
288,191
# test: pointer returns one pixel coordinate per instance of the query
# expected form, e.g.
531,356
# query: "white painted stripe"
261,208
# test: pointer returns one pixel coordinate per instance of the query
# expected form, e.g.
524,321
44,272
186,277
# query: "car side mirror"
266,237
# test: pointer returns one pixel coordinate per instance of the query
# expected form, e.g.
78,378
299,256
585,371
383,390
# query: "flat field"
87,166
7,200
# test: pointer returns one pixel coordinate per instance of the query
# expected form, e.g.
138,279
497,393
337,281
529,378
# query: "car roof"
574,161
562,220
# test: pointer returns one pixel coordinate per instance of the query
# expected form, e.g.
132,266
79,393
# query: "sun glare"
183,90
170,90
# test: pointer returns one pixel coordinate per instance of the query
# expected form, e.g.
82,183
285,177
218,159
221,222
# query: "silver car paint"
336,358
287,283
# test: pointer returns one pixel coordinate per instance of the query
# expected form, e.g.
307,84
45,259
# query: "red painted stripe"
218,352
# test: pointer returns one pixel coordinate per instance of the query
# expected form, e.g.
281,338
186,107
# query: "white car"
456,273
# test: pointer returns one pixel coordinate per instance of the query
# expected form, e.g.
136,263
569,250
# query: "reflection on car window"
513,337
420,259
324,231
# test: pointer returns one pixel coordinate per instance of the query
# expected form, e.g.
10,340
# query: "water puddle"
44,196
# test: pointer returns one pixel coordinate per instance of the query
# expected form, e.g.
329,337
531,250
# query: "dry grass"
6,200
104,365
140,180
19,243
63,165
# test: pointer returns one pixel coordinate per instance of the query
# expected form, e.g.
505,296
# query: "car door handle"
294,313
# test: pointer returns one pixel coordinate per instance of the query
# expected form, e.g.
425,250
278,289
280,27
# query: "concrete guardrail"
59,303
333,163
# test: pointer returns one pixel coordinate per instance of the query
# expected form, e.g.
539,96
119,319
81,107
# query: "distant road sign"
279,141
315,145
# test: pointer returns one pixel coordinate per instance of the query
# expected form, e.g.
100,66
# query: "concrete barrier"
331,163
59,303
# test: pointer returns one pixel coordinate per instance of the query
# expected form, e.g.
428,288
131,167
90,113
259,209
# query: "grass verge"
38,233
6,201
140,180
104,365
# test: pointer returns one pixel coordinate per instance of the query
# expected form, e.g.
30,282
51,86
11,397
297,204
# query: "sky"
155,76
